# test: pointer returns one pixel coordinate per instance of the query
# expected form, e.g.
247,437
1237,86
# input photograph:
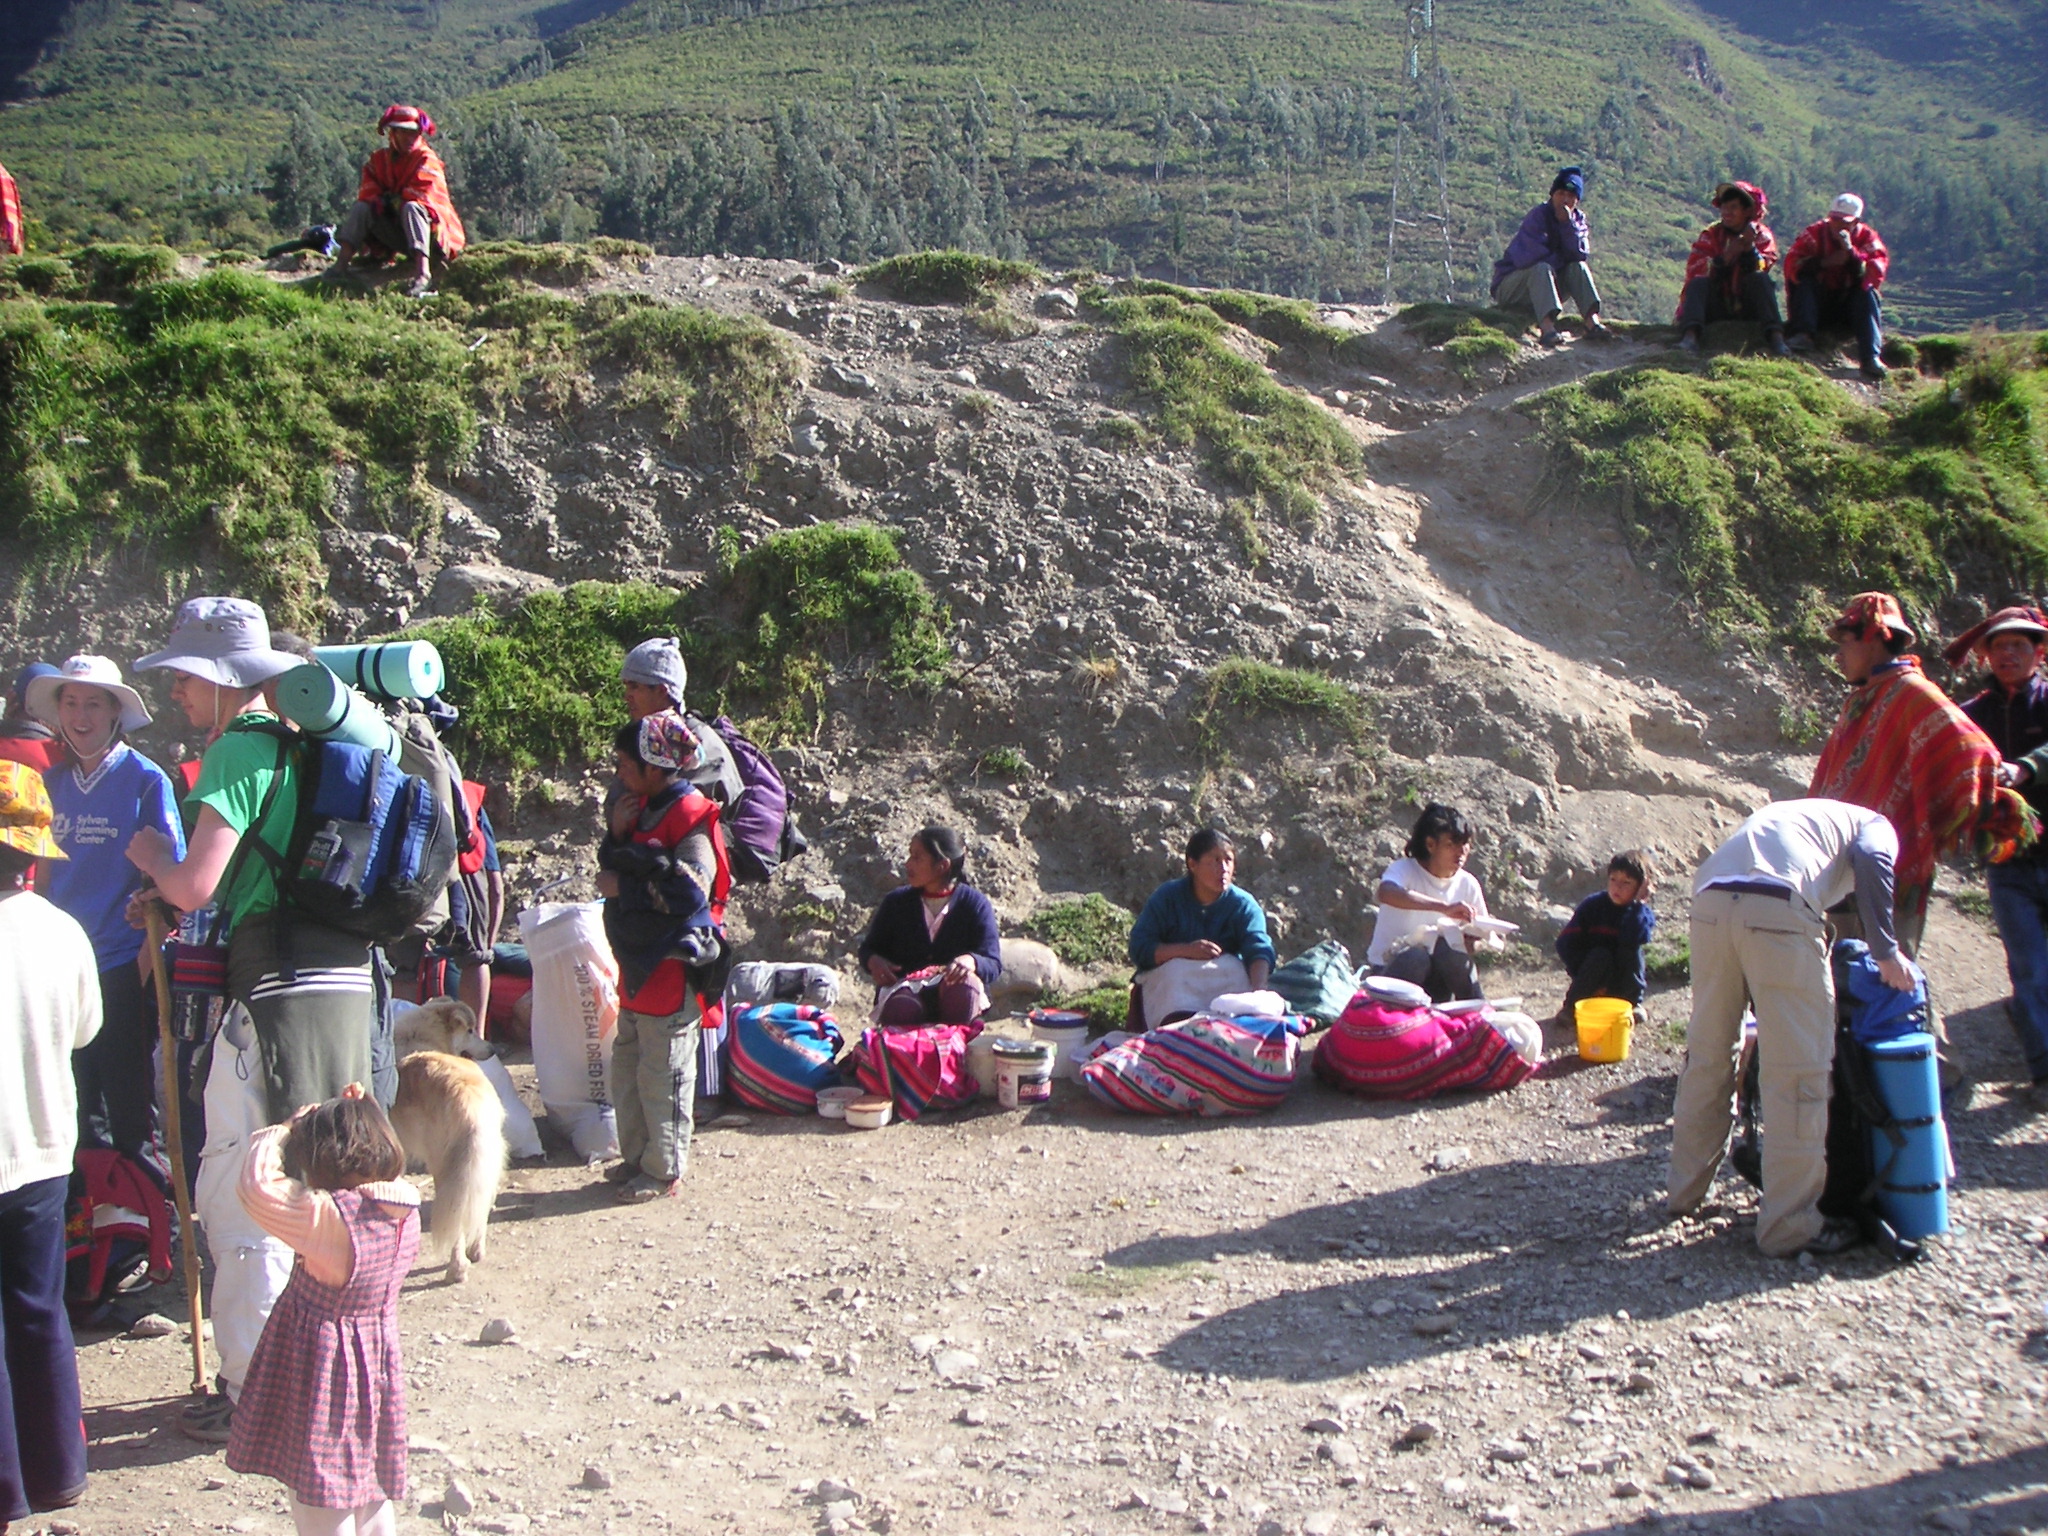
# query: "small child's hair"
1636,864
340,1144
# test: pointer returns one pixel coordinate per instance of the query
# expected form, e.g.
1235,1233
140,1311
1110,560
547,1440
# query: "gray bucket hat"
659,663
225,640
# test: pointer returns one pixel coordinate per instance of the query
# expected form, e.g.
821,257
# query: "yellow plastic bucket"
1605,1024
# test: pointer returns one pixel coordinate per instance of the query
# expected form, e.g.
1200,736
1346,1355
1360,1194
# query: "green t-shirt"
234,776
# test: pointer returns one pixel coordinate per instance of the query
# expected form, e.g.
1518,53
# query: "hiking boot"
1689,342
1800,343
1836,1235
1550,336
1774,343
209,1420
1874,372
644,1189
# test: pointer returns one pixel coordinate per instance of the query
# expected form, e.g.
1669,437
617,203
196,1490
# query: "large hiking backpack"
117,1232
760,833
1859,1119
372,847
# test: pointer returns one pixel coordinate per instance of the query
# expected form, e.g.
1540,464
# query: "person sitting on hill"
1728,274
1602,945
1832,274
1548,257
1426,898
403,207
1199,937
24,738
932,945
13,232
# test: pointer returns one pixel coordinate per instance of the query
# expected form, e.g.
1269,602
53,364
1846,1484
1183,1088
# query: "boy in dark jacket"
664,876
1602,946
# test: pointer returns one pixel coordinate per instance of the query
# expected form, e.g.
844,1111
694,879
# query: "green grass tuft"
1470,337
1669,964
1241,687
1005,763
724,383
1767,488
1273,442
538,683
1107,1006
1092,930
947,277
1130,1279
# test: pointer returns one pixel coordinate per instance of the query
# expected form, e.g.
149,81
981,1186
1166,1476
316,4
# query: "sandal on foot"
644,1189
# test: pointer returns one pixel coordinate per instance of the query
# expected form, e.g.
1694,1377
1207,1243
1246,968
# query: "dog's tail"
465,1189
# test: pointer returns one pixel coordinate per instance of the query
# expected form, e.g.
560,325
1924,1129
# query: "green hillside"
1251,143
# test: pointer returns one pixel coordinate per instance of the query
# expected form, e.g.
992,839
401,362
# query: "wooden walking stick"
174,1140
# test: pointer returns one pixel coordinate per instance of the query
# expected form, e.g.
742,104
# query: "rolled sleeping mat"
1912,1188
395,669
327,709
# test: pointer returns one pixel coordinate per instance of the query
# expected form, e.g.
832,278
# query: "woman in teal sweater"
1190,925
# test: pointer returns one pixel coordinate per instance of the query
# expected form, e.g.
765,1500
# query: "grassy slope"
149,93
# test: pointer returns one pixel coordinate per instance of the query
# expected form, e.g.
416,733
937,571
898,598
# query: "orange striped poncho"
12,235
1904,749
417,176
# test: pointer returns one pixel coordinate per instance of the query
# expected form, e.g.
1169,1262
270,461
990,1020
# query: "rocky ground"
1344,1317
1338,1318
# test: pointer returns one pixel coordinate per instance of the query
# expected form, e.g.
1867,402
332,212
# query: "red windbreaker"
13,236
1864,243
417,176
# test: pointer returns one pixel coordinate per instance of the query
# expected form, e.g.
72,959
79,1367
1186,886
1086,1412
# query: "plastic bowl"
870,1113
833,1102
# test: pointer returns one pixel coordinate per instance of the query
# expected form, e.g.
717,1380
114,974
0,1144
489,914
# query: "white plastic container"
870,1113
981,1061
1066,1033
834,1102
1023,1073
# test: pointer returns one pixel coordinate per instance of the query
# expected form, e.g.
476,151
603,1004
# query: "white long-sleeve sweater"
49,1007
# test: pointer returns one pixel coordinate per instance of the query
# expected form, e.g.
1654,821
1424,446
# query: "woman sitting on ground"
932,946
1426,899
1199,937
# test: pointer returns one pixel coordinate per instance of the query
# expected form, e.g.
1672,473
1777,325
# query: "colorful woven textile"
922,1067
1904,749
781,1055
1206,1065
1412,1053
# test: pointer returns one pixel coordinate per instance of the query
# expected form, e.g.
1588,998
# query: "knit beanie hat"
658,663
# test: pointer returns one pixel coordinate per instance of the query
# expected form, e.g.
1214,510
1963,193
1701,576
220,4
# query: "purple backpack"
759,831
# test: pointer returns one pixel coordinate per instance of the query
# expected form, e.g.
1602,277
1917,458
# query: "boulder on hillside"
1030,970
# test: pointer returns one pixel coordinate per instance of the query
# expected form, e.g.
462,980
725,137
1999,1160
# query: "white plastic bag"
522,1139
575,1019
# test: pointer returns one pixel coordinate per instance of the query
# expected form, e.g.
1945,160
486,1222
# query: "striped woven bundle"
1205,1065
1412,1053
781,1055
922,1067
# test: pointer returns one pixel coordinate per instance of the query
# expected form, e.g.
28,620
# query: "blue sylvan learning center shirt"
94,819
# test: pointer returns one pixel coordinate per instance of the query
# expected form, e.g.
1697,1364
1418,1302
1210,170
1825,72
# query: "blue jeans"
1854,309
2019,905
42,1433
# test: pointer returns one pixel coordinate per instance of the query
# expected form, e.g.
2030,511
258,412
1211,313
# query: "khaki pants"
654,1080
1764,951
1539,287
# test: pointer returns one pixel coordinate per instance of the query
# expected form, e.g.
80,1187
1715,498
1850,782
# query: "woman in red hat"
403,207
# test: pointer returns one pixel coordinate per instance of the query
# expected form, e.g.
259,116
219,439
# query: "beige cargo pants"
1767,952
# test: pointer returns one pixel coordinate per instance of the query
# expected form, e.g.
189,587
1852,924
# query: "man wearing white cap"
1832,274
302,1008
103,791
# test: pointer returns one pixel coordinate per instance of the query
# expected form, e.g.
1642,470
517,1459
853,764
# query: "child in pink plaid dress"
323,1407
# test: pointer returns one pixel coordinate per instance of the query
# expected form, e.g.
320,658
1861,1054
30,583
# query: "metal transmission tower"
1421,132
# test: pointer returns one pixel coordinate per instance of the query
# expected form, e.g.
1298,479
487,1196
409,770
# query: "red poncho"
1904,749
1867,269
417,176
12,235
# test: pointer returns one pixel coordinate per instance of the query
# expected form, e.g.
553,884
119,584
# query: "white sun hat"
96,672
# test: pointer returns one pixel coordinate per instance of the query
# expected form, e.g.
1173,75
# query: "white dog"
450,1120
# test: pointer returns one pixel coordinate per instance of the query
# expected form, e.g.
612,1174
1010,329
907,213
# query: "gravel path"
1344,1317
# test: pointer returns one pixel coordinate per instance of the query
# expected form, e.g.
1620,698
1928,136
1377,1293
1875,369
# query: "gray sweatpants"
1766,952
653,1082
411,233
1539,286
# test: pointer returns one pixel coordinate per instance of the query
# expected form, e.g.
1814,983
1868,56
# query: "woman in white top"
1425,901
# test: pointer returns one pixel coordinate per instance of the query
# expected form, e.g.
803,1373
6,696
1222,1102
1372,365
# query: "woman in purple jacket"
932,947
1548,257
